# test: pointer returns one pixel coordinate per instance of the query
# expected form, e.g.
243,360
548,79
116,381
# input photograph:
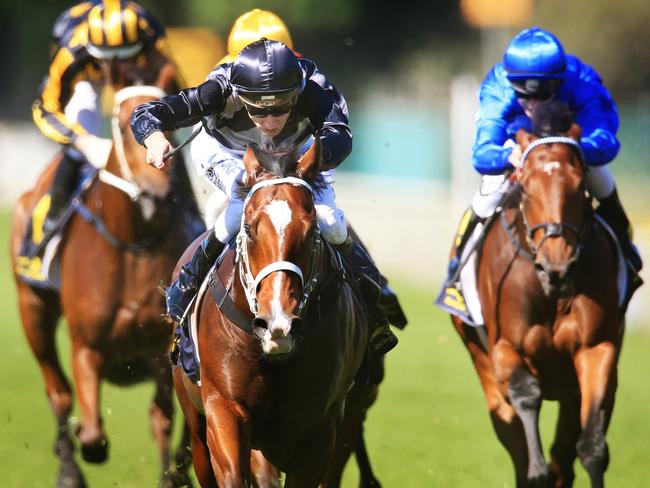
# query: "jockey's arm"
48,110
598,118
56,90
489,155
150,120
328,113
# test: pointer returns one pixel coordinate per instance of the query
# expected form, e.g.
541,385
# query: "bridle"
125,181
552,229
250,282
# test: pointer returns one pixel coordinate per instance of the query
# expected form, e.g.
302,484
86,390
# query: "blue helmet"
535,63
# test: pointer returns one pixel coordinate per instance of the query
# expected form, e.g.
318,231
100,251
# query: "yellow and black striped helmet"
116,29
252,26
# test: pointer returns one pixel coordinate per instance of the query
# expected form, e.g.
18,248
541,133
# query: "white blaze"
280,214
551,166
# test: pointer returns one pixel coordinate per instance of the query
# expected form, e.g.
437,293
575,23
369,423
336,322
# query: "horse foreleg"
161,414
596,370
228,434
194,431
525,394
39,313
265,475
308,465
86,364
563,450
505,421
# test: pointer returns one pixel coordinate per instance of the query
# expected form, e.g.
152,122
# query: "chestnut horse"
548,290
113,260
277,365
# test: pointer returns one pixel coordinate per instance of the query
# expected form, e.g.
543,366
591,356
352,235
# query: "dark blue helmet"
267,76
535,63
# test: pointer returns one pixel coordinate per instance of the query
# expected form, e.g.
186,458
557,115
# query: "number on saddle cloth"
37,261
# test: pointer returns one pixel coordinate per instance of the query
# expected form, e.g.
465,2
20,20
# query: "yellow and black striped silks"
111,23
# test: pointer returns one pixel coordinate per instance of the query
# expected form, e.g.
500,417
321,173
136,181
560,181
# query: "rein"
125,181
250,282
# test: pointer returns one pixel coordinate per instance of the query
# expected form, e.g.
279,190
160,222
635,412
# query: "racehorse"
548,290
119,246
278,358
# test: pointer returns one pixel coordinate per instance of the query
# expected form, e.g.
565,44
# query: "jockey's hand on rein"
157,146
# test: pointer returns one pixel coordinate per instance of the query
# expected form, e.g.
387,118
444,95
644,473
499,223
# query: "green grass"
428,428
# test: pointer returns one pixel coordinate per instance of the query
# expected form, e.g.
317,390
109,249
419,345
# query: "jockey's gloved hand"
157,146
95,149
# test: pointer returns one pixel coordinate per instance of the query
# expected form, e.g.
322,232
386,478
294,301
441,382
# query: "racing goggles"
263,104
536,89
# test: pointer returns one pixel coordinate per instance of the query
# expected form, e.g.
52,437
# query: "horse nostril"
296,324
260,323
539,266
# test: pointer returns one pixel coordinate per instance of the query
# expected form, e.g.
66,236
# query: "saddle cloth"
461,299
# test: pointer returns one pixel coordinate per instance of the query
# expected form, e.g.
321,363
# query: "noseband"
551,229
250,282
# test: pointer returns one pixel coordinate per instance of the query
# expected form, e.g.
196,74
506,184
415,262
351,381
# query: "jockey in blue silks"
535,70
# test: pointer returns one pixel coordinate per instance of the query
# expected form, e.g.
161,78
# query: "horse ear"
575,132
167,78
309,163
523,138
252,167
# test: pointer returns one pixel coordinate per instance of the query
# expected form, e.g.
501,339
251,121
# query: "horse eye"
248,230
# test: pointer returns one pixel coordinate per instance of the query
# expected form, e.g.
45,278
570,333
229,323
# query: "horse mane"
551,118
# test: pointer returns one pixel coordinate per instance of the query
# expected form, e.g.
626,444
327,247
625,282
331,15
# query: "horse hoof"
175,480
95,453
70,476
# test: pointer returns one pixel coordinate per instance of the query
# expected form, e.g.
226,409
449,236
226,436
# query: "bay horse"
117,250
277,364
548,290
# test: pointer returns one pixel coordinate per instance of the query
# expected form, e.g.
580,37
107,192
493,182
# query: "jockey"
535,70
89,38
277,103
249,27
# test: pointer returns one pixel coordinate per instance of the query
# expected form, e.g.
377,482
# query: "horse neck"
125,217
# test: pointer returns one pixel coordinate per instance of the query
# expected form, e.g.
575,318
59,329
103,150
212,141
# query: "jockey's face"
530,104
108,66
270,125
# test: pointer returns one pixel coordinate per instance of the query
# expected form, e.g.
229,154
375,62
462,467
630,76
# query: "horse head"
129,163
277,250
554,204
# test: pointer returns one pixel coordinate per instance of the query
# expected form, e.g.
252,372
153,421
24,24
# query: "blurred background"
410,75
410,71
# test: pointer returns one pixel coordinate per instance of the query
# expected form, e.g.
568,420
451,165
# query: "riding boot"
181,292
63,185
611,210
368,278
388,301
465,229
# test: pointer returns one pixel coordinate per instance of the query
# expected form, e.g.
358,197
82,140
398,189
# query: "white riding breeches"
600,183
224,168
83,107
489,194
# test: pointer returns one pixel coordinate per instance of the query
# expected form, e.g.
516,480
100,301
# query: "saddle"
37,261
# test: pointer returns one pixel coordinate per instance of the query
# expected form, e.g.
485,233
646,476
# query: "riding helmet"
266,74
117,29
